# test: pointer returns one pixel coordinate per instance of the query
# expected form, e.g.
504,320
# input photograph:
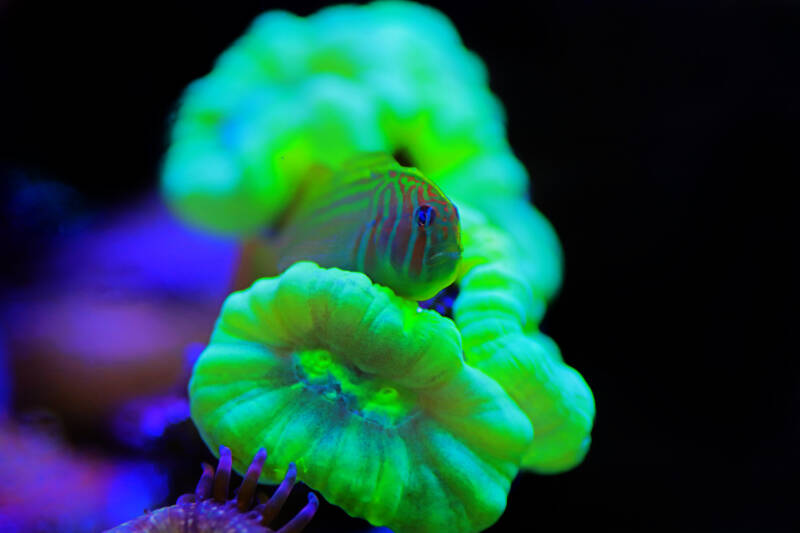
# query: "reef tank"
322,292
329,295
394,266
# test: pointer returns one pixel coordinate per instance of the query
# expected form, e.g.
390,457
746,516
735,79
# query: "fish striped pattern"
364,218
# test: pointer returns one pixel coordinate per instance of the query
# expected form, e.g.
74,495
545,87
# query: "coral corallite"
367,394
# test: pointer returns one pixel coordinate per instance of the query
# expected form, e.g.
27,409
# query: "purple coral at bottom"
208,509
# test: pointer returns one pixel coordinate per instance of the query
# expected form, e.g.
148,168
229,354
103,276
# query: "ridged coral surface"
498,312
369,396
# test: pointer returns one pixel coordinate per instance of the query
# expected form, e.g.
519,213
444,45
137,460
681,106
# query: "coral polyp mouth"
377,400
366,394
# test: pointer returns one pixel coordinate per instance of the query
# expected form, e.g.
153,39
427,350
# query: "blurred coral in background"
132,291
47,486
96,348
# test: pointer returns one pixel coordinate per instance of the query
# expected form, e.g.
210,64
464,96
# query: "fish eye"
425,215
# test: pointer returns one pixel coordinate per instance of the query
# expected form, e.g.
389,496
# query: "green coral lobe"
369,397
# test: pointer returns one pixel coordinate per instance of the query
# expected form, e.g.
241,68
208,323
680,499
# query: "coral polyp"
367,393
208,509
497,313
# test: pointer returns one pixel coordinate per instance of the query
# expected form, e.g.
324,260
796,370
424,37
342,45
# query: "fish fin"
329,244
326,251
313,186
258,258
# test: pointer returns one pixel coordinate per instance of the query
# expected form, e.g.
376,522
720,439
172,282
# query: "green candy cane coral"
406,418
497,313
367,394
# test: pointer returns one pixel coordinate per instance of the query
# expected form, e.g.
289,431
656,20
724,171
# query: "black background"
662,143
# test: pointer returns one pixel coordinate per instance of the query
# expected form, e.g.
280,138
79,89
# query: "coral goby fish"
380,218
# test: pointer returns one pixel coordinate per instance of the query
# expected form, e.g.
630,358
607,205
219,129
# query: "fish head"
430,258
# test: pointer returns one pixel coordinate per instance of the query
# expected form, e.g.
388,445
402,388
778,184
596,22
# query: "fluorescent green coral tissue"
497,312
367,395
398,415
294,92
